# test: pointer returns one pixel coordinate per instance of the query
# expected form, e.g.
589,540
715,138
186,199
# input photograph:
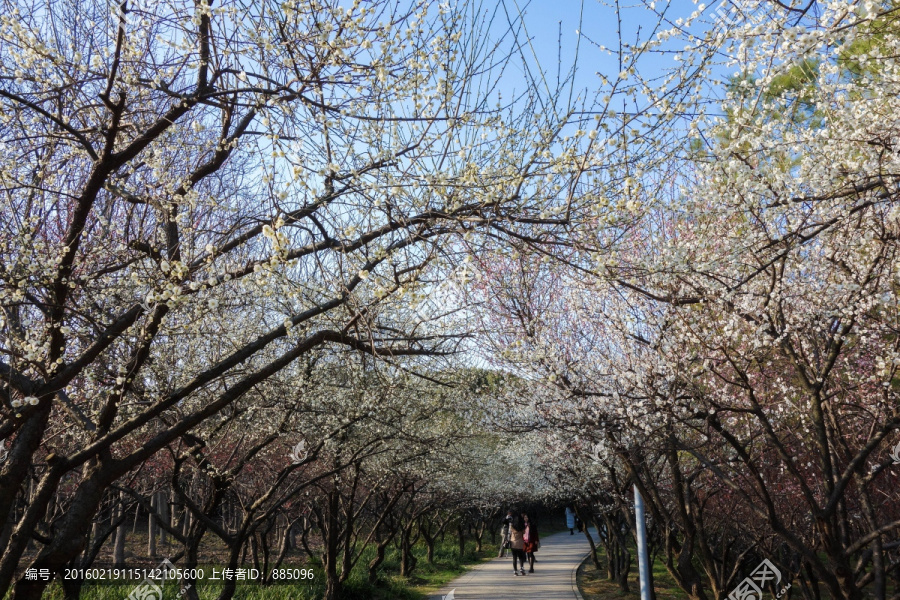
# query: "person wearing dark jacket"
504,535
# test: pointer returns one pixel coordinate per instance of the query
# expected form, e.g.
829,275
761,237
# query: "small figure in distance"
570,519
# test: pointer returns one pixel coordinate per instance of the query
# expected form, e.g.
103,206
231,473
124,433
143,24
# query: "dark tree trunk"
332,543
381,544
151,526
587,534
479,534
72,531
119,545
407,560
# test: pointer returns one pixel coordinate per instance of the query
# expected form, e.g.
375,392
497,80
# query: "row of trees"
328,473
731,347
219,224
224,225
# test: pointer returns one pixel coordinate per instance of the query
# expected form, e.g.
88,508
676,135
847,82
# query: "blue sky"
553,27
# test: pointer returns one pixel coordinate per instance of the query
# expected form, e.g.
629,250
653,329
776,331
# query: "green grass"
593,585
425,580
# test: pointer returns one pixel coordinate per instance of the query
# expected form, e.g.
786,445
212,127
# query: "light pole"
643,561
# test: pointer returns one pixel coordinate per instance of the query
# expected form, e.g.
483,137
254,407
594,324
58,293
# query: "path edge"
575,589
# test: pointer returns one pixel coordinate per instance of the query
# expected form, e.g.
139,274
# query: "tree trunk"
381,544
7,530
425,530
186,522
72,530
407,560
137,517
151,526
479,534
119,545
587,534
163,503
292,536
429,550
330,556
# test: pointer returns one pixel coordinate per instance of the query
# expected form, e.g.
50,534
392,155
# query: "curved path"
553,579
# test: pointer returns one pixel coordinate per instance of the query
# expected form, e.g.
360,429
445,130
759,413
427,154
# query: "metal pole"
643,561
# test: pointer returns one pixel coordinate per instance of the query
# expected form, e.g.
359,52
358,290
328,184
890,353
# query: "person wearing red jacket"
531,539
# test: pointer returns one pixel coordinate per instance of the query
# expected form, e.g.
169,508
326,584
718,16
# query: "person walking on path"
504,534
531,541
570,520
517,543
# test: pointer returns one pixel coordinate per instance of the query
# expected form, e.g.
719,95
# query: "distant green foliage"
853,60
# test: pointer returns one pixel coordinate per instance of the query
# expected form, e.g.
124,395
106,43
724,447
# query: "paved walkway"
553,577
